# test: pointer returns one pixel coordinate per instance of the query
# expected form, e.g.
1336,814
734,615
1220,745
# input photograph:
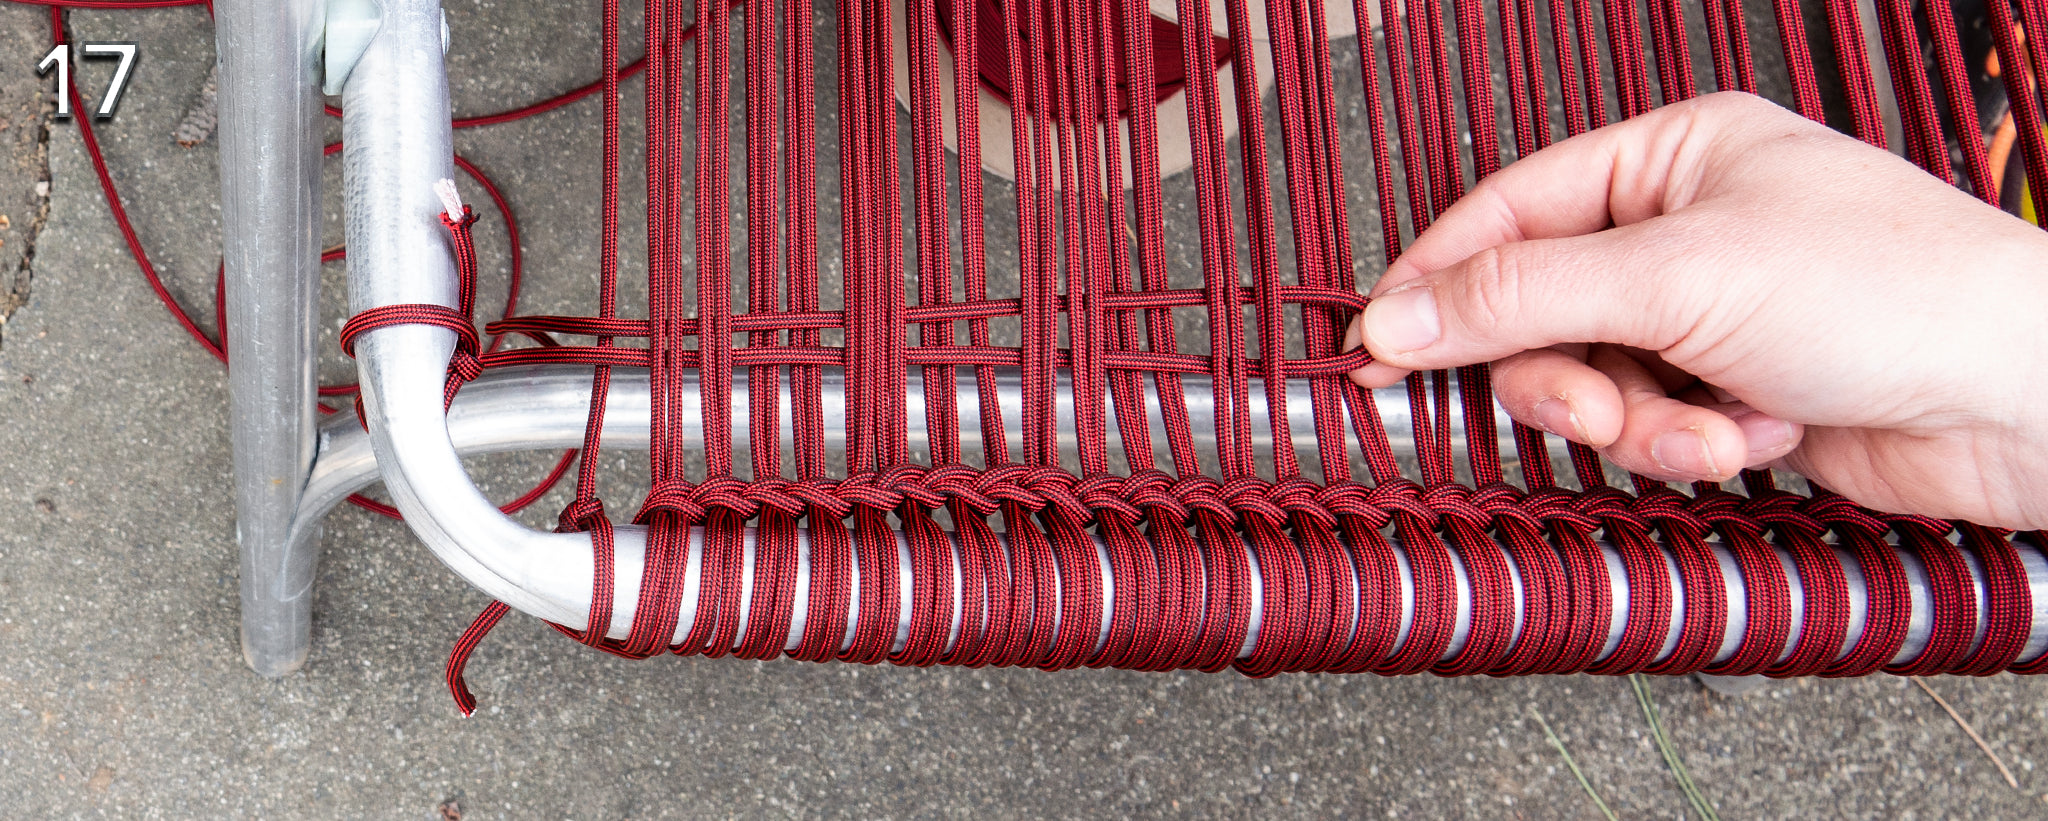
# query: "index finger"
1621,174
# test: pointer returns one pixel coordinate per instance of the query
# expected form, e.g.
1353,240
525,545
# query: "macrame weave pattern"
1097,299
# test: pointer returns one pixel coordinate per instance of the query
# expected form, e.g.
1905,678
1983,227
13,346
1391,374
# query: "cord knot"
820,494
909,482
1401,496
1298,497
1612,507
1249,496
672,497
1198,494
1055,489
1786,511
1452,504
1351,499
866,489
1502,503
773,494
1105,494
725,494
1724,511
1670,509
961,485
580,516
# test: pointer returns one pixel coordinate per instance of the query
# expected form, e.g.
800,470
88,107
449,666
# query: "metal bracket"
351,25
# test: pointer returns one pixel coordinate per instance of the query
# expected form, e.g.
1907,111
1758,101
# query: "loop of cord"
465,365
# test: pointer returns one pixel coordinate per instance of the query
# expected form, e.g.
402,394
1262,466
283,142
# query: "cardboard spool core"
993,93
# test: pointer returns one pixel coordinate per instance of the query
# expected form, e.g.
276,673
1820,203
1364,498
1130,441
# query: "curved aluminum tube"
398,145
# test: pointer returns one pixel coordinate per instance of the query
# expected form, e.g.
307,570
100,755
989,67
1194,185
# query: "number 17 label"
59,58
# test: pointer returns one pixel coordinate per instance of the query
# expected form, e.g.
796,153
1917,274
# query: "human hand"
1723,284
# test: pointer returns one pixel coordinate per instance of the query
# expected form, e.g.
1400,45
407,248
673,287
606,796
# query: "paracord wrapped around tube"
1912,598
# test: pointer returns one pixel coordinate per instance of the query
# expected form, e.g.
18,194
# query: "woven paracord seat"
1132,459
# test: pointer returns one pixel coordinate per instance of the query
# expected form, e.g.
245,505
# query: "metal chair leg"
270,131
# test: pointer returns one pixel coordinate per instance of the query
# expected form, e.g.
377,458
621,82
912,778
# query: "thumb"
1520,296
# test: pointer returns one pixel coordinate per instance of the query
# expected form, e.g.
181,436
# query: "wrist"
2023,456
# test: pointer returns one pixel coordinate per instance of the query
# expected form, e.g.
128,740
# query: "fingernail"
1555,415
1765,434
1403,321
1685,452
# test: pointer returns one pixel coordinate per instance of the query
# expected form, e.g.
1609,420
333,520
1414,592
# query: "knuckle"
1737,107
1493,288
1730,101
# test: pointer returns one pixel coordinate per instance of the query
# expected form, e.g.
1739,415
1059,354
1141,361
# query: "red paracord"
465,365
1515,577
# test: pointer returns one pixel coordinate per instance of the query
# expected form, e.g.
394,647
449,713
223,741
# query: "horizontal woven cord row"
1155,493
958,355
918,314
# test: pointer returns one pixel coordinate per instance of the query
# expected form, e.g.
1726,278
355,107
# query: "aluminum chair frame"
397,144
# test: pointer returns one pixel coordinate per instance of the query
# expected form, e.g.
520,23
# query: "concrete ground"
123,693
